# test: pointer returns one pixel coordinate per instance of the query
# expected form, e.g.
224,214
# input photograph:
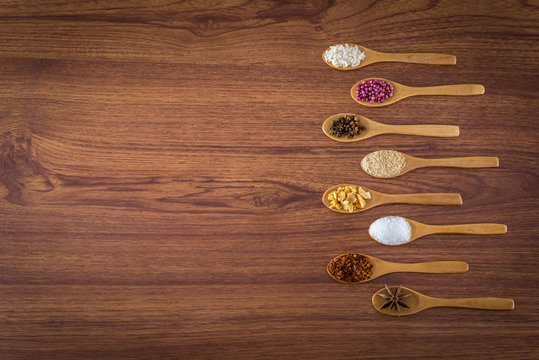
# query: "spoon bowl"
418,302
373,56
378,198
373,128
381,267
402,91
412,163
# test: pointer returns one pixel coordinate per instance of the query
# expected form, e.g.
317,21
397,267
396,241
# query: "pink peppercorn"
374,91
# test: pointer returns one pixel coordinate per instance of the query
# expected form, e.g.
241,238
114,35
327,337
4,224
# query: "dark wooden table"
162,165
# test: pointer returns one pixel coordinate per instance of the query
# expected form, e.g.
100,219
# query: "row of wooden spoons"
401,91
416,301
386,298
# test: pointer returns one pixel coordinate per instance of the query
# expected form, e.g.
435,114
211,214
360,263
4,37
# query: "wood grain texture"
162,164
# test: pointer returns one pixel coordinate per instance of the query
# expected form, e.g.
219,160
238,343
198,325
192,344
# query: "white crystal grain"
343,56
391,230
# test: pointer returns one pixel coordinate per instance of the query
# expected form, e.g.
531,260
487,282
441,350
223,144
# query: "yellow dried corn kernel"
362,202
348,198
332,196
364,194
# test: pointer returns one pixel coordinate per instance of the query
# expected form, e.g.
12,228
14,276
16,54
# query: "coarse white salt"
344,55
391,230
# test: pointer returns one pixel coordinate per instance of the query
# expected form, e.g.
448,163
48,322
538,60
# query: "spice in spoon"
350,268
348,198
384,163
348,126
374,91
343,56
394,299
391,230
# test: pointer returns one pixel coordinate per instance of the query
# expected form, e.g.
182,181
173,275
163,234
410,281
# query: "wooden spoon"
381,267
458,162
373,128
402,91
372,56
419,302
420,230
378,198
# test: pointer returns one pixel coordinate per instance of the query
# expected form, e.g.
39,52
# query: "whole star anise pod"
394,299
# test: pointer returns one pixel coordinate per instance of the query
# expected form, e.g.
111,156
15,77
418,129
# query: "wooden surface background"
162,164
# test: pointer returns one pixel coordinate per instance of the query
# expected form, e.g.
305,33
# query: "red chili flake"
350,268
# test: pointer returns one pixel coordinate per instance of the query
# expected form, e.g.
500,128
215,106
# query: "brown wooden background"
162,163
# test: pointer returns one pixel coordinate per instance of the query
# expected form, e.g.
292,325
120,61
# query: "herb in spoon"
417,302
336,129
353,56
376,92
348,198
397,230
355,268
391,163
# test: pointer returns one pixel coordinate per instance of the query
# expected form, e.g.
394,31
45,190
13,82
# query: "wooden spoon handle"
432,267
477,229
462,162
423,130
486,303
419,58
423,199
462,89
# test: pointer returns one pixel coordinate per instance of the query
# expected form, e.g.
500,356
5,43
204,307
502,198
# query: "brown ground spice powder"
384,163
351,268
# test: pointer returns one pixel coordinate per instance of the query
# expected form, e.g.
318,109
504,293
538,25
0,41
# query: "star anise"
394,299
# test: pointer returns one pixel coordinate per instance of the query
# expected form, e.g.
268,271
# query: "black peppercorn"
348,125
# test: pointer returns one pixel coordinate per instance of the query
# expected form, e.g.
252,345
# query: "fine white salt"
343,56
391,230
